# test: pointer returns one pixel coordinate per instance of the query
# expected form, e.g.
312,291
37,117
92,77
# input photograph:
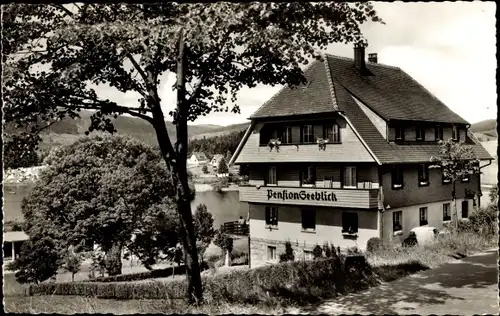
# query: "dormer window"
400,133
455,133
420,134
423,175
332,133
397,177
286,135
308,134
439,133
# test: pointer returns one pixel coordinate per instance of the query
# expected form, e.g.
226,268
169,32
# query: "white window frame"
438,133
272,255
273,213
272,175
350,172
446,210
424,169
425,217
399,170
402,132
309,128
395,215
422,136
287,135
454,133
308,211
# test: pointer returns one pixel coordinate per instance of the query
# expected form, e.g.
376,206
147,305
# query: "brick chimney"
359,56
373,58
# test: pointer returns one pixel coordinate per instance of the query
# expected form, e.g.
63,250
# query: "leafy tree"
456,160
204,169
17,153
54,56
38,261
204,224
72,263
158,234
288,254
228,156
100,189
222,168
224,242
317,252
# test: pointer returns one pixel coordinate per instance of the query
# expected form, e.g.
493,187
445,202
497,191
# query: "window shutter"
301,133
268,215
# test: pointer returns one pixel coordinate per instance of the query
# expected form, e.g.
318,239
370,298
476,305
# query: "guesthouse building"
345,157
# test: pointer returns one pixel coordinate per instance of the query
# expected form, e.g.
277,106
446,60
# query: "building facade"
197,159
345,158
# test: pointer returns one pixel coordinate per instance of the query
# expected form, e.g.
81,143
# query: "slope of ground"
485,130
222,130
68,130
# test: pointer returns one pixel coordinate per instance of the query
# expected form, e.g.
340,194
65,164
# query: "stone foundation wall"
258,250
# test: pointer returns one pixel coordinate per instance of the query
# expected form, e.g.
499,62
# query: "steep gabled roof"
391,93
388,91
200,156
303,99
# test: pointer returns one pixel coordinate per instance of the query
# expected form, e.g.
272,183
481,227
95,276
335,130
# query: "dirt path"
463,287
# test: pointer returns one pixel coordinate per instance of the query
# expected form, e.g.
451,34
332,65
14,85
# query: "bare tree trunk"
182,185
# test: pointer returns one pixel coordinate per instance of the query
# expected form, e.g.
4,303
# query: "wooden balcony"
310,196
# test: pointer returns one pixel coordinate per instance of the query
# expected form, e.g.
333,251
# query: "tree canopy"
99,189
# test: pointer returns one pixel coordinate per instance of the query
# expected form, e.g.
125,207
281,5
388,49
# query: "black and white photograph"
329,157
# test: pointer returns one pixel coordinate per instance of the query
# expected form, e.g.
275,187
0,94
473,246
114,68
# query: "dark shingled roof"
311,98
389,92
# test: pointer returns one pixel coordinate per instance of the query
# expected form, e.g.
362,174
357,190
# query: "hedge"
299,280
154,274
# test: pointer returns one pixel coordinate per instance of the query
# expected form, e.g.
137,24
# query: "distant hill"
68,130
485,130
222,130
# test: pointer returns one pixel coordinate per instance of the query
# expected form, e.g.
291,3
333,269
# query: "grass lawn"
78,304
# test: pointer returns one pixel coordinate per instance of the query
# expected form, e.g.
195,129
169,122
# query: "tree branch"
197,90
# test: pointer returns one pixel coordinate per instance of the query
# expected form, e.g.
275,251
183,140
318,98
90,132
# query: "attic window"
420,133
400,133
455,133
439,133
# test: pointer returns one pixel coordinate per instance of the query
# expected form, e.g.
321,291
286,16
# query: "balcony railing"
311,196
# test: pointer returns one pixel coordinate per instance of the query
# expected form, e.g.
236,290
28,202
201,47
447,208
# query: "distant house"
216,160
197,159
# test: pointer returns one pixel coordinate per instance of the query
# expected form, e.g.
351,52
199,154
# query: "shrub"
222,167
353,251
374,244
327,250
288,255
72,264
317,252
410,240
300,282
38,261
160,273
204,169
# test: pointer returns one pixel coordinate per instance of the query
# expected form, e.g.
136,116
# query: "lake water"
224,206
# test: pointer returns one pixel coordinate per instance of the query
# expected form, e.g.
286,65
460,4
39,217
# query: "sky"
449,47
